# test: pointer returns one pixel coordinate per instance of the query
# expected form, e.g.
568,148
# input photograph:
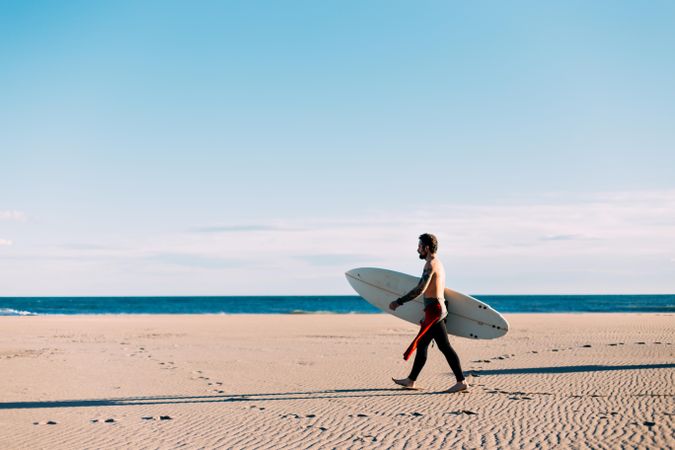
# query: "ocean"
28,306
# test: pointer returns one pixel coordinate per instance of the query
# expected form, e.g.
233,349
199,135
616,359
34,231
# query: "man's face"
422,251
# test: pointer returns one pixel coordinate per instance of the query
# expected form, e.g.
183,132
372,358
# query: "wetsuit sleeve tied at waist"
433,312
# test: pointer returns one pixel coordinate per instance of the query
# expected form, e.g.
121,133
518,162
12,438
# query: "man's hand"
393,305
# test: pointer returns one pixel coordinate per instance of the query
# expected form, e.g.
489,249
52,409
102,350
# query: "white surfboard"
467,316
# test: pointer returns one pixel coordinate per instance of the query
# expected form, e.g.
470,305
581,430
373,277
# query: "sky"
266,147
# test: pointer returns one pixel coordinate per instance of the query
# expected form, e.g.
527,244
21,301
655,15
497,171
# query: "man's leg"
421,353
441,337
420,359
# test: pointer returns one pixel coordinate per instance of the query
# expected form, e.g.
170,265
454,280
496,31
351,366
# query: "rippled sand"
323,381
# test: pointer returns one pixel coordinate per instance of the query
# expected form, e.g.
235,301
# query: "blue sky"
177,148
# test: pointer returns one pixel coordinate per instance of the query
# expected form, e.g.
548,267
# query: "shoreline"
318,313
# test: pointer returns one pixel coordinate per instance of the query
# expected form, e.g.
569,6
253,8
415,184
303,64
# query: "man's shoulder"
435,264
431,265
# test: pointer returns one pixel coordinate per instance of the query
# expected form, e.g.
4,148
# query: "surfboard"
467,316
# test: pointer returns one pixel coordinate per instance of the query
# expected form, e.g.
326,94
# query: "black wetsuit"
438,333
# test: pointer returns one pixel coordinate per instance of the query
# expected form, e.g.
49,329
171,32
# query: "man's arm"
417,290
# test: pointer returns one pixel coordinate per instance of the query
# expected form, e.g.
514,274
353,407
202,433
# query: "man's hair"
429,240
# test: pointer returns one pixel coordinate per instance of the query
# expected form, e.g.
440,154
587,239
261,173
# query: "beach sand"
324,381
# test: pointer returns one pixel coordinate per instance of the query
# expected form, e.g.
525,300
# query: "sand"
323,381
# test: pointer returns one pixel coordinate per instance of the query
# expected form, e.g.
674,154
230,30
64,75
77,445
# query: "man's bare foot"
460,386
405,382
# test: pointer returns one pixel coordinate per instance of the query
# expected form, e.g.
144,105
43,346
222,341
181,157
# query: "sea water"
18,306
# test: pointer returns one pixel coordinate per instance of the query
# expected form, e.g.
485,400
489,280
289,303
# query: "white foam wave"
14,312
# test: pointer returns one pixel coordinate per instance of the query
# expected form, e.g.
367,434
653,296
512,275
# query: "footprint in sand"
462,411
103,421
49,422
363,439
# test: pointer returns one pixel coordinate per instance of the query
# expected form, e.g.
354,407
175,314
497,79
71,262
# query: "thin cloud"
566,237
12,215
332,259
194,260
44,258
601,224
546,245
241,228
5,242
84,246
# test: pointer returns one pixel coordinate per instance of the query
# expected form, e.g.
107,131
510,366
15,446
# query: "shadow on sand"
568,369
310,395
223,398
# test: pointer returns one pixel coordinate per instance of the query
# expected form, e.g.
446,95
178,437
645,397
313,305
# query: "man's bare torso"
437,280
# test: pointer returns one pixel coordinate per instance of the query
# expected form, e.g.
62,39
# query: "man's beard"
423,256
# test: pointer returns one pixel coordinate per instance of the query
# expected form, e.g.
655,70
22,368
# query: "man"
432,284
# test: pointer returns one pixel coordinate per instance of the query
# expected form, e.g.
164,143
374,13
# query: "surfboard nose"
353,273
353,277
